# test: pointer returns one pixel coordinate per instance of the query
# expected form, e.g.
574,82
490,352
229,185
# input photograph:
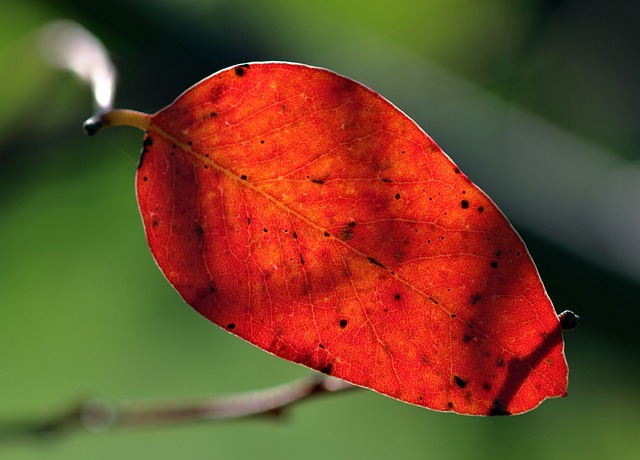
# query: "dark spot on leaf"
343,323
347,232
500,362
497,408
498,253
145,148
386,180
397,296
453,315
493,264
434,300
420,398
486,386
397,196
295,235
248,221
450,405
190,143
212,288
241,69
321,346
375,262
456,170
199,230
460,381
317,181
467,338
243,177
213,114
327,234
464,204
475,298
327,369
266,230
216,92
231,326
568,320
480,209
301,260
262,141
145,178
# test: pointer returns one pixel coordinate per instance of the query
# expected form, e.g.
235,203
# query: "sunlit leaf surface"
306,214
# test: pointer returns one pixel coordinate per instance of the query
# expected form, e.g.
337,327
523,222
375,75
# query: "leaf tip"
568,320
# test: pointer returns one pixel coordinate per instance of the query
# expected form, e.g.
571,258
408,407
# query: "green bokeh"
85,312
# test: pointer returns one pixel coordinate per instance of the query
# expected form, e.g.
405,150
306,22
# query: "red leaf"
306,214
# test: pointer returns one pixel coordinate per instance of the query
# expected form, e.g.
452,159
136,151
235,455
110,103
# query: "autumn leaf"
304,213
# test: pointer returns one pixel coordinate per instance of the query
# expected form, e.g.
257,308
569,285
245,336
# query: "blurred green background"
537,101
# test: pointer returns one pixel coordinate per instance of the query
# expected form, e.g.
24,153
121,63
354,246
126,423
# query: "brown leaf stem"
117,117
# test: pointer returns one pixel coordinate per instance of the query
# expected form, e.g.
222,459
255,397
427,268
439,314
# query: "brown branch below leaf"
99,416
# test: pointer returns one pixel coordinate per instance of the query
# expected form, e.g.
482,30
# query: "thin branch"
100,416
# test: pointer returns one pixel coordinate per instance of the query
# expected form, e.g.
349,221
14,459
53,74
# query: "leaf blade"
306,214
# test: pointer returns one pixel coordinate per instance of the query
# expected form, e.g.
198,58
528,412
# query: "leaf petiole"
116,117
